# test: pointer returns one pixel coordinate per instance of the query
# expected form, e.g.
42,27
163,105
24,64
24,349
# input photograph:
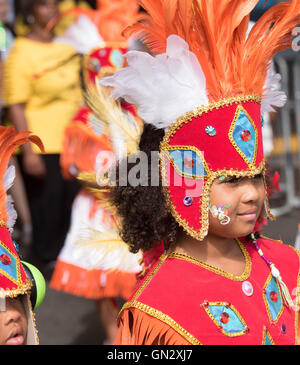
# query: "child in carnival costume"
202,96
22,287
94,262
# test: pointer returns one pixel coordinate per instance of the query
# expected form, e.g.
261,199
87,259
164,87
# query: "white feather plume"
9,177
8,180
273,96
163,87
82,35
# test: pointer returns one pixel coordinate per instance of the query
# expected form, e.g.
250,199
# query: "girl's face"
13,322
44,11
241,199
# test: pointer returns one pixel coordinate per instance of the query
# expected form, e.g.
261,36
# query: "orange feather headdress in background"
10,140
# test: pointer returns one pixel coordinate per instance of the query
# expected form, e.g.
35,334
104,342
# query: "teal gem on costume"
210,131
262,121
8,263
94,65
244,134
188,162
116,58
226,318
273,300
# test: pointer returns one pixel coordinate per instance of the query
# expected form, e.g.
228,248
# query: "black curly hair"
146,219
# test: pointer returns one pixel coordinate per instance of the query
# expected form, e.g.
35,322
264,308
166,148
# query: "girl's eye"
232,180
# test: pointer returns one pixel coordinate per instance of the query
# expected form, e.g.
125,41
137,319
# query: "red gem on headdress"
5,259
205,304
188,163
224,317
274,296
246,135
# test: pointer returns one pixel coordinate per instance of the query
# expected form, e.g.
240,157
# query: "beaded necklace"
275,273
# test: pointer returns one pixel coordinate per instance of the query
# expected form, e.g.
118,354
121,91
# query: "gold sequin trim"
270,239
149,277
164,318
187,117
266,333
12,293
207,304
244,276
266,301
230,136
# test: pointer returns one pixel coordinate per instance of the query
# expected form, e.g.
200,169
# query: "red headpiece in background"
110,18
97,35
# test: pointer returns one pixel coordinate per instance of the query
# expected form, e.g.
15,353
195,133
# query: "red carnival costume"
215,83
94,262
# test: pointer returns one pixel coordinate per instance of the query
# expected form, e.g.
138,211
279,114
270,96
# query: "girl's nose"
12,312
252,190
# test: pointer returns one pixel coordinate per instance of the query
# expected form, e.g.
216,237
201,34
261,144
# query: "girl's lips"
249,216
16,337
17,340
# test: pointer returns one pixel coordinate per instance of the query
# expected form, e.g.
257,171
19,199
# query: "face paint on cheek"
220,213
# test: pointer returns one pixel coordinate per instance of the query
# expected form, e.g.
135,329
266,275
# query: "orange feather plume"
10,140
216,32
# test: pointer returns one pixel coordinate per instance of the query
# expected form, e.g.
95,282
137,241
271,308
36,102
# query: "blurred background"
68,320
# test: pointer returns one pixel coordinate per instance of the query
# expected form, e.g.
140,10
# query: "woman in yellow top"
42,89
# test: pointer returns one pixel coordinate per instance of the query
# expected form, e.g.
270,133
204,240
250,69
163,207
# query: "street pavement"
64,319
